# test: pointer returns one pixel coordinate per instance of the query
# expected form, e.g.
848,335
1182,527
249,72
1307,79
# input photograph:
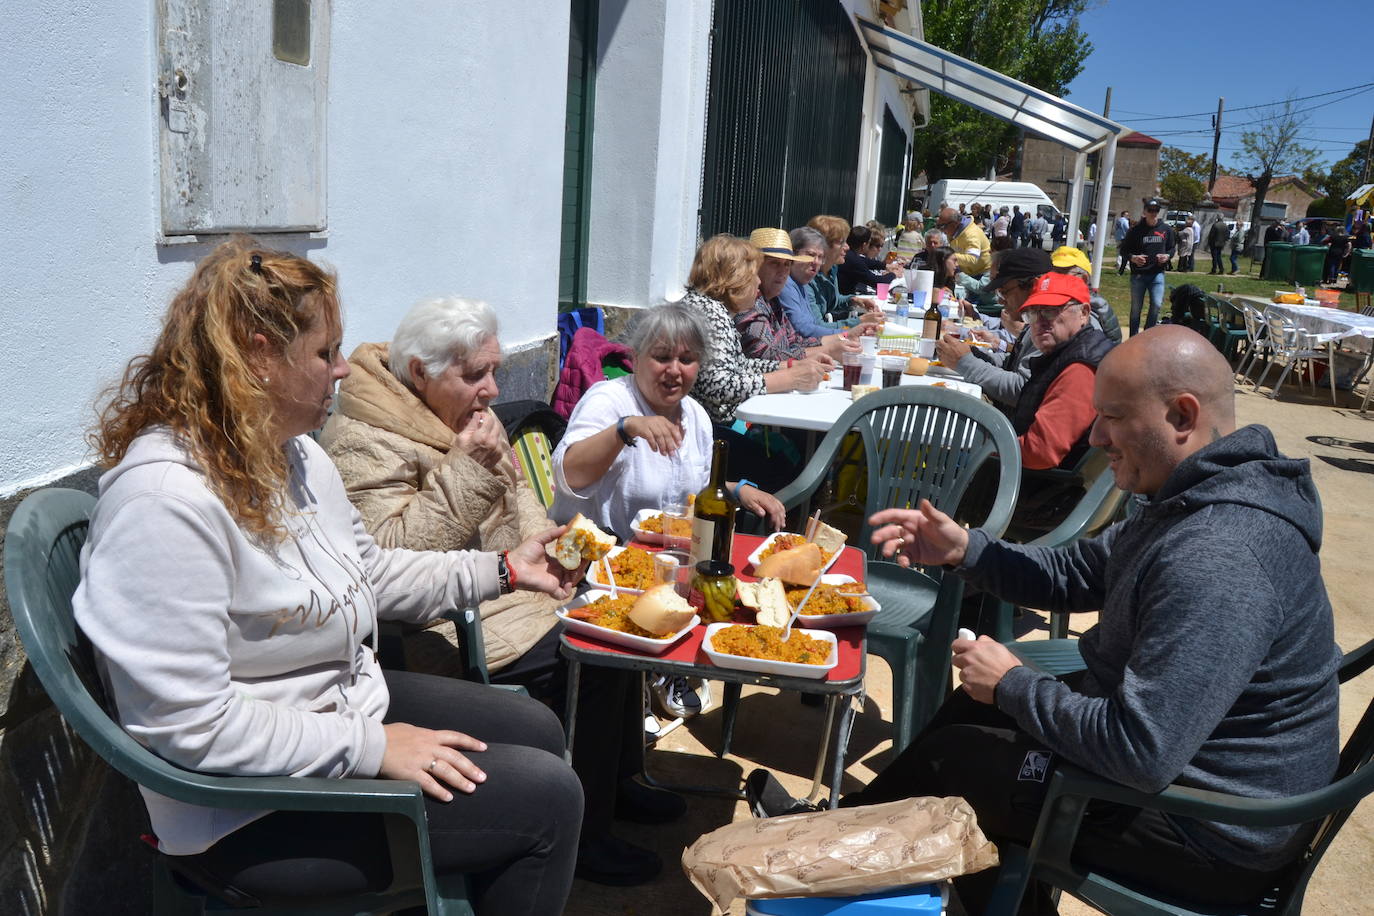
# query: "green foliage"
1334,207
1341,179
1037,42
1183,192
1174,161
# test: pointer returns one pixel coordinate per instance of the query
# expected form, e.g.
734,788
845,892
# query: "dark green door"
892,158
577,153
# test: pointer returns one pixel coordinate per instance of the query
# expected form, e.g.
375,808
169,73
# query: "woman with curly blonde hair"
233,595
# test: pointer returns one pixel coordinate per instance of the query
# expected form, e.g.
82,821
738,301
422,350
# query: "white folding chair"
1256,337
1294,346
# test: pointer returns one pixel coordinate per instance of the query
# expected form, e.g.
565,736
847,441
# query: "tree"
1174,161
1182,191
1341,179
1273,149
1037,42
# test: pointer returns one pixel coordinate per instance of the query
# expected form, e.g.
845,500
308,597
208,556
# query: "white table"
817,411
1321,323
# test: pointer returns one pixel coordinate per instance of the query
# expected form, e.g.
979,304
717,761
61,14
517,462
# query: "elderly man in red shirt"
1054,412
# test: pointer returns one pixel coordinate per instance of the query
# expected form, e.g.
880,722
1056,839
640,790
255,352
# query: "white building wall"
653,60
444,176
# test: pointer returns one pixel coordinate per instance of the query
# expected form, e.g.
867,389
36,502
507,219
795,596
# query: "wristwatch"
625,437
503,573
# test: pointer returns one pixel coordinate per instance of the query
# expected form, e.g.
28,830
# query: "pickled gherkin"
716,583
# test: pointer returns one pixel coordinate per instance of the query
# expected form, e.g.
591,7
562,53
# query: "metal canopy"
987,90
1030,109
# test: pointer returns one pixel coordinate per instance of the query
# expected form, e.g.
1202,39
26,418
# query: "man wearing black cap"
1001,375
1146,248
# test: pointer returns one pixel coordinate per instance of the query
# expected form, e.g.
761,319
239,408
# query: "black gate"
891,166
783,114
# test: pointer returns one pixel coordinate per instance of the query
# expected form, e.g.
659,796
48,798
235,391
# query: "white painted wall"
653,60
444,175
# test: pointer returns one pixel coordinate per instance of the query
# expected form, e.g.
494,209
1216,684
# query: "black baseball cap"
1020,264
1153,204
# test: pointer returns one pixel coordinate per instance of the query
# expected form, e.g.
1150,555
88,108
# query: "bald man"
1213,663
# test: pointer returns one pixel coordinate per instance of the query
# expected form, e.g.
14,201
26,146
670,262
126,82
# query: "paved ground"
778,732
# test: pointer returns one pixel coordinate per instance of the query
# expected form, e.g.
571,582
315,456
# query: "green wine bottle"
713,513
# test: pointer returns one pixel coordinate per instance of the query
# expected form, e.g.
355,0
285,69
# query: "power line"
1208,114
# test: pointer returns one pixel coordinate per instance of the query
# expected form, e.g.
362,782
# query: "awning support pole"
1080,166
1105,175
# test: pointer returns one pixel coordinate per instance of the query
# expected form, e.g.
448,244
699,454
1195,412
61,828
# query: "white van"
997,194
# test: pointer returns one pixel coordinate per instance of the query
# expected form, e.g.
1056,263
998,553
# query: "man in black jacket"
1213,663
1146,248
1217,236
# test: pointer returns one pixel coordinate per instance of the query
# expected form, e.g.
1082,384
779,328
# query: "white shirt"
999,226
1302,236
639,478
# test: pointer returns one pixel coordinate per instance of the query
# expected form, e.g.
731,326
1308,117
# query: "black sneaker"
767,797
609,860
642,804
677,697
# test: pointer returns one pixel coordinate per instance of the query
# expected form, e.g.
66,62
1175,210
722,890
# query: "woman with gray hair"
637,441
427,464
428,467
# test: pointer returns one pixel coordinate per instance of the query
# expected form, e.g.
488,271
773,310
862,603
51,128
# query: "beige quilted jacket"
412,491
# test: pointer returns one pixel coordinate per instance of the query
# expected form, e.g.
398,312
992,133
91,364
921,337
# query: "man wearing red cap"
1054,412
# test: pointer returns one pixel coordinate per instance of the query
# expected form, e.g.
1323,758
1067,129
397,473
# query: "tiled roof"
1231,187
1136,138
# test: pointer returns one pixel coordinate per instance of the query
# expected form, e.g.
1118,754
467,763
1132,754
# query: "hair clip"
255,264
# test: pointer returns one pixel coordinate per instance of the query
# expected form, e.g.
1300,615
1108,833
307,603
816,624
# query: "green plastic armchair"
1049,857
42,550
920,443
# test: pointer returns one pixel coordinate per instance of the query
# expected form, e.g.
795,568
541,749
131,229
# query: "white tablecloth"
819,410
1324,324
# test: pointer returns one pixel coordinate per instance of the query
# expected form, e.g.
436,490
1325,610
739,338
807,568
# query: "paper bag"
839,853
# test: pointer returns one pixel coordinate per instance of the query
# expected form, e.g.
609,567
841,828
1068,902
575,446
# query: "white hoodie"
225,655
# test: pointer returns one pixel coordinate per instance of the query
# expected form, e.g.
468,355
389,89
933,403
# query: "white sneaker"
681,697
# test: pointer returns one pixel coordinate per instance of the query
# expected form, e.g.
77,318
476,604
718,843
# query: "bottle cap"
715,568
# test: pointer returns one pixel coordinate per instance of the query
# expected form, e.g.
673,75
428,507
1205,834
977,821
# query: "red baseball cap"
1056,289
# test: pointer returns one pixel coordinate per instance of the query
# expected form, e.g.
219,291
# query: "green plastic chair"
1049,857
920,443
1230,331
42,551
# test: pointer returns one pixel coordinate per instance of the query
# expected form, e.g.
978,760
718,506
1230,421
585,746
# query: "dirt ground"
778,732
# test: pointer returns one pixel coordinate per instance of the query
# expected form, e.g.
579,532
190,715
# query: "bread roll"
798,566
661,610
768,600
582,541
917,365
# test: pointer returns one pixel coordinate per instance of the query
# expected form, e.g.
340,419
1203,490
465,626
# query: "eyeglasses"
1045,314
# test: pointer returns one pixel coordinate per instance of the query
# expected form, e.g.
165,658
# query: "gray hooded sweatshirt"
1213,663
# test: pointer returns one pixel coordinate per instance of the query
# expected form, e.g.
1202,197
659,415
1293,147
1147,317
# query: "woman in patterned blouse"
724,280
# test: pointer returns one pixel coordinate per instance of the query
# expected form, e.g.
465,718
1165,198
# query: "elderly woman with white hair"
427,464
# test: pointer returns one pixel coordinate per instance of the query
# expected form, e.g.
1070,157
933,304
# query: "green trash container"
1362,270
1308,261
1278,262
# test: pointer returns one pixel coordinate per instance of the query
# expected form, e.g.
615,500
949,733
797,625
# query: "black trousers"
975,750
516,835
610,721
1217,266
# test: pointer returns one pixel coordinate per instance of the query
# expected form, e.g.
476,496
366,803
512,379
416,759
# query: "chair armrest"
468,622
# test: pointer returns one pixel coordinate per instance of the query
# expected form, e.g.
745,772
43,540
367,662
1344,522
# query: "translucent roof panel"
1031,109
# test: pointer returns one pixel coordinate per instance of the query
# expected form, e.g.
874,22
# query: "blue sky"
1163,57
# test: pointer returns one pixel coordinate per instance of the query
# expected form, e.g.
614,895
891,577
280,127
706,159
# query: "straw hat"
775,243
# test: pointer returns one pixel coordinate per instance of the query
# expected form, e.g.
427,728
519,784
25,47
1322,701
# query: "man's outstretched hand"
924,536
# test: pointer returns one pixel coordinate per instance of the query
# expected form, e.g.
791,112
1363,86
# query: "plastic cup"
882,292
852,365
675,511
868,345
892,370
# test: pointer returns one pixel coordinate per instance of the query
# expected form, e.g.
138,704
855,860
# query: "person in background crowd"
827,280
800,299
1036,227
922,260
1001,230
861,269
1060,232
1301,236
1119,230
1185,247
1217,234
1338,249
909,241
1147,247
1236,247
764,330
1018,228
232,597
972,246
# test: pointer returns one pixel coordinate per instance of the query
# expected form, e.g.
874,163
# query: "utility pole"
1368,154
1216,144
